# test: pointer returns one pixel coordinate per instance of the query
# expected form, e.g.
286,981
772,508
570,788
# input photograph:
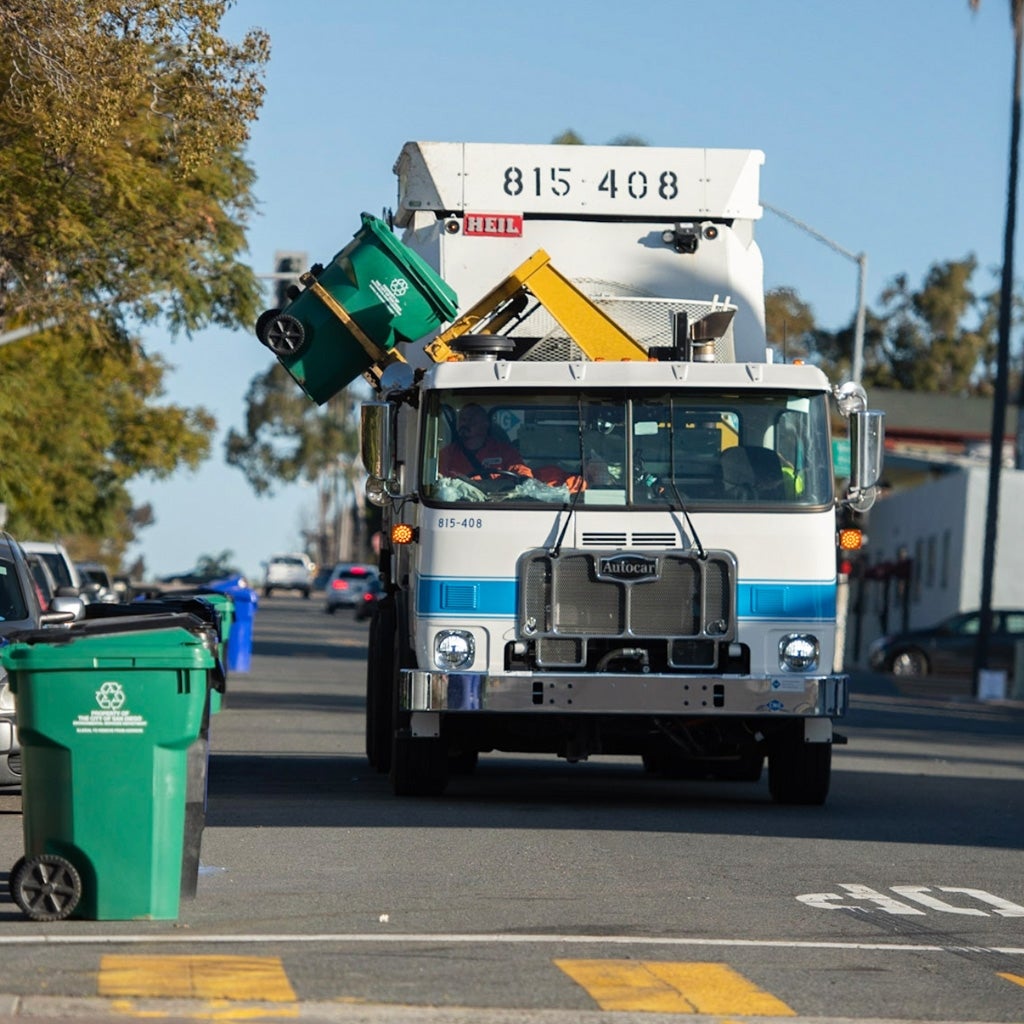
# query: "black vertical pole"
1002,372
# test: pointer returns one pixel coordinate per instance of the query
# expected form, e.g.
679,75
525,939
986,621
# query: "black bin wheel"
46,887
266,318
284,335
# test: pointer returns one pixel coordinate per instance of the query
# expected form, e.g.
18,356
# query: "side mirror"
867,445
377,450
63,609
867,450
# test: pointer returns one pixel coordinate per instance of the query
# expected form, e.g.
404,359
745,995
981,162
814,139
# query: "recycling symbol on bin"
399,286
110,696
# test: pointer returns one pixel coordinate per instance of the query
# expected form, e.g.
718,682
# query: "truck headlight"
454,649
798,652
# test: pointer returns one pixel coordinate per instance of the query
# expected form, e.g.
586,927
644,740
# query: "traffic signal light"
287,268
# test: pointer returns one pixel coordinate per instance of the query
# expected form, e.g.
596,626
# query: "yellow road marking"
1015,978
237,978
656,987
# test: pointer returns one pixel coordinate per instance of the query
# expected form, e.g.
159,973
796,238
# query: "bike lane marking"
216,979
647,986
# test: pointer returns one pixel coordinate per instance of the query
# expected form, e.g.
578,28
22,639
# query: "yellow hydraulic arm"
596,334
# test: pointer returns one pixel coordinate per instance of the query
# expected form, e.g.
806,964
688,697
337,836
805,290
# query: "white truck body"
600,212
671,606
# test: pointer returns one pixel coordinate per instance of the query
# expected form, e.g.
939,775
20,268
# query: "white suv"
56,556
289,572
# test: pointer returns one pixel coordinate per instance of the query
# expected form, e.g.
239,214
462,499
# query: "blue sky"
885,127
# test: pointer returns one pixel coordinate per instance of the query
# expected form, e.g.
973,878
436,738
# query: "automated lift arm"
597,335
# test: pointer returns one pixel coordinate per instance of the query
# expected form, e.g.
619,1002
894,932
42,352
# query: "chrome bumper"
606,693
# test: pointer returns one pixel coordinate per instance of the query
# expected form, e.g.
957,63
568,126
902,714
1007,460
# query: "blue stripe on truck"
445,596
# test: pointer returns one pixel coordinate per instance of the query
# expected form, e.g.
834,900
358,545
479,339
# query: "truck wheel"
799,772
419,766
380,674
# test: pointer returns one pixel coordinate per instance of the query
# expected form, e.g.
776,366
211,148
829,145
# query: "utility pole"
861,259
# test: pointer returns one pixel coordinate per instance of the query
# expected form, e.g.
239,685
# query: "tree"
927,344
288,438
789,323
568,137
77,424
125,194
124,198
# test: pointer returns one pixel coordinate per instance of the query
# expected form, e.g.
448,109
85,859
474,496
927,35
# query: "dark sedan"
947,648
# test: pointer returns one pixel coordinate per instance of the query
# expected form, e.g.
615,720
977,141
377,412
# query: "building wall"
940,526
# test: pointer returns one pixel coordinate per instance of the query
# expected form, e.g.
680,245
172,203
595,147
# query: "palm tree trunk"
1000,398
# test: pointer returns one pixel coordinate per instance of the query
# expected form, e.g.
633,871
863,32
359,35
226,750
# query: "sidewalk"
879,684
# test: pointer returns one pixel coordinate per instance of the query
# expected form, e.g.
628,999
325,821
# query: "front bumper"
612,693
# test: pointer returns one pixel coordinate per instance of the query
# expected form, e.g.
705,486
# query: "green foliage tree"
217,566
789,323
935,338
568,137
77,424
124,197
125,193
287,438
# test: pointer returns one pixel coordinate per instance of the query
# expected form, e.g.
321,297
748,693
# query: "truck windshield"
698,449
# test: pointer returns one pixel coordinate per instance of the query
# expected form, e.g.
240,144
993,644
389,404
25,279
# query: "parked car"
289,572
199,577
20,609
947,648
97,583
373,593
57,558
46,585
348,582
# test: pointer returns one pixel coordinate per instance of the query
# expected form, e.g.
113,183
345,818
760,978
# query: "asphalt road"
537,891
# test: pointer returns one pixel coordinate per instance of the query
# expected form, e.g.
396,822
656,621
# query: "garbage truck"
610,516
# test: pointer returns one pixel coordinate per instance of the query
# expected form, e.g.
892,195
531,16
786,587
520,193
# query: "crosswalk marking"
237,978
659,987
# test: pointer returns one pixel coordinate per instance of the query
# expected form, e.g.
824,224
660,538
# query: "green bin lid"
431,286
168,648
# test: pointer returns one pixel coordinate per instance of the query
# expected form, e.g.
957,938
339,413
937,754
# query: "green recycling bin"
225,608
388,290
109,717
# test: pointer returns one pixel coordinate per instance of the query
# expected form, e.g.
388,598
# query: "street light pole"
861,260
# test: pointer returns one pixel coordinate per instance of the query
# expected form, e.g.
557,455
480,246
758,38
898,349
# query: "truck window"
701,449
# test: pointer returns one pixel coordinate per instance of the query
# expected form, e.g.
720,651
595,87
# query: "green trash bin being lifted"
375,290
106,722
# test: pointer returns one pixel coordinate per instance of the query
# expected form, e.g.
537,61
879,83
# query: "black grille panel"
564,597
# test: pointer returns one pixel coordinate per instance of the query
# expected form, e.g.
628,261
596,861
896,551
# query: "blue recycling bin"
245,601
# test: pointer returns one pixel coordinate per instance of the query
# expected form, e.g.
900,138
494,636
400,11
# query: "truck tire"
419,765
799,772
380,677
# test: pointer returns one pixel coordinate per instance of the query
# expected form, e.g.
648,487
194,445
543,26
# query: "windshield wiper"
554,551
701,553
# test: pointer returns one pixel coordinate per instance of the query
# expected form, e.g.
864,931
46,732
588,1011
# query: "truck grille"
581,595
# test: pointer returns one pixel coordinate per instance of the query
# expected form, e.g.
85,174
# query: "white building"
939,525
